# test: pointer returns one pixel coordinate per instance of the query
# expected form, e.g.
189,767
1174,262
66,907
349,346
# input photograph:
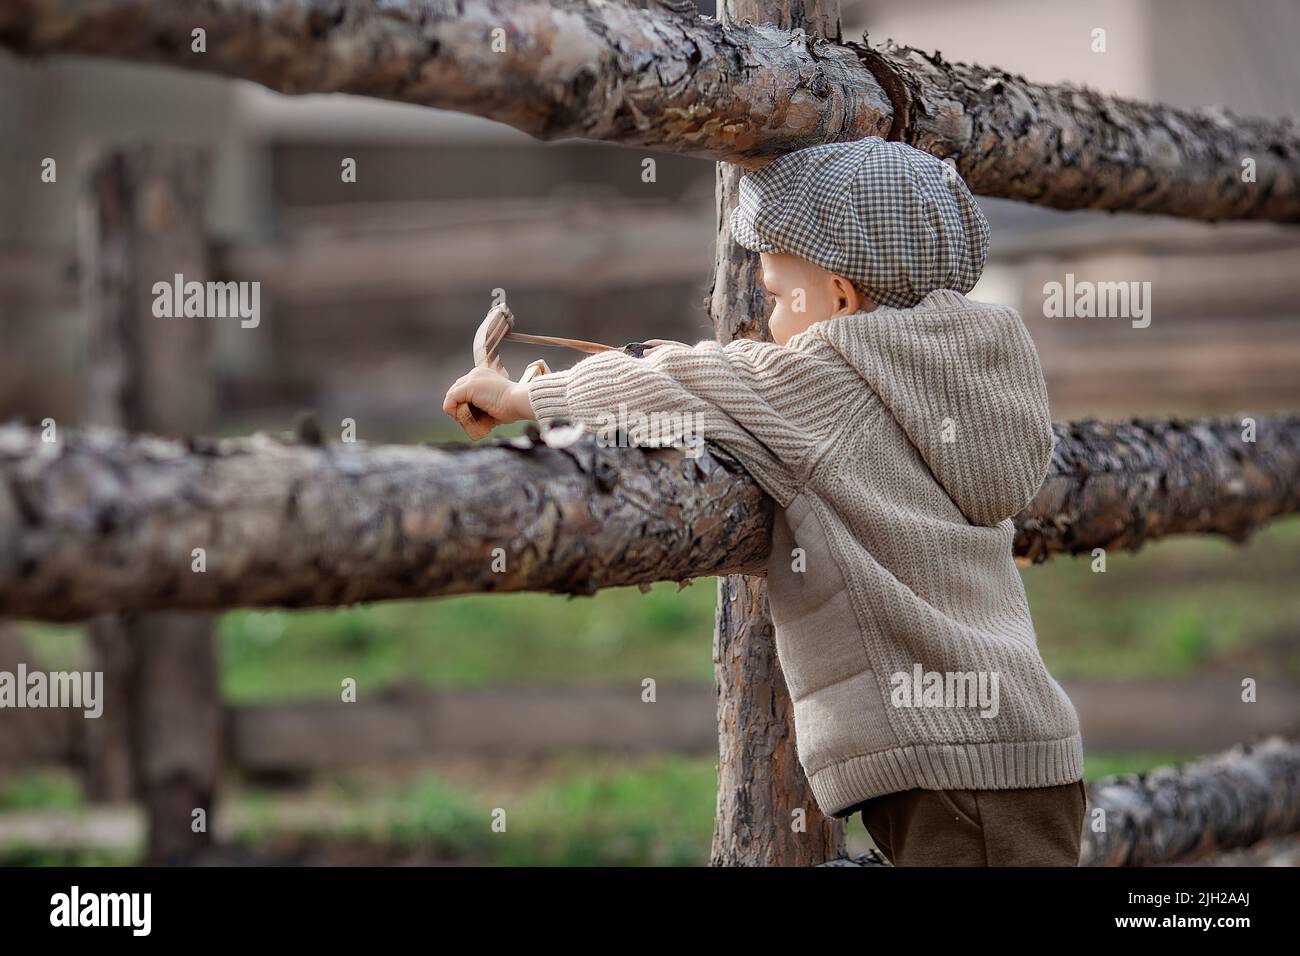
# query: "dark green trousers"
1037,826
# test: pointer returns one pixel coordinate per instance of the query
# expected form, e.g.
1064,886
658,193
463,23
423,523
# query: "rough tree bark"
766,814
101,521
668,81
1188,812
158,738
1176,814
1118,485
298,525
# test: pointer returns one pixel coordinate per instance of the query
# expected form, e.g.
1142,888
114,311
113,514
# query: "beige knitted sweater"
898,444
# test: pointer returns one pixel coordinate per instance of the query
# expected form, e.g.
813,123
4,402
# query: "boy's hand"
491,392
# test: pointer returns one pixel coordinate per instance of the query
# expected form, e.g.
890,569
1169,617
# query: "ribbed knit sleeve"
743,397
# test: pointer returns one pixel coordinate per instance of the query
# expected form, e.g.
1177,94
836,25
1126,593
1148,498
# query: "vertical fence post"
142,222
760,783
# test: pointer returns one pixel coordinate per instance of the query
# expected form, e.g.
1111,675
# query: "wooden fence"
724,90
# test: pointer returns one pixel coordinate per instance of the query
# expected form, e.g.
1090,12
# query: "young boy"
899,426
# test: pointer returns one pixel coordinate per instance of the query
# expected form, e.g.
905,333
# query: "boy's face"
805,293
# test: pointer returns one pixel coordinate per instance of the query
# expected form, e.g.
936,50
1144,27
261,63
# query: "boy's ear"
847,299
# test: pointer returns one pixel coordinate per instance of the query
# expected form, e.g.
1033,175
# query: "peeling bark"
101,522
570,68
662,80
98,523
1176,814
1118,485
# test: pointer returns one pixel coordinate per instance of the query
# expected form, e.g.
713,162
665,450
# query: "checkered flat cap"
892,218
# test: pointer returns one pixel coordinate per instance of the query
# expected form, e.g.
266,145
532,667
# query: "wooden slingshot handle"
476,422
487,339
499,326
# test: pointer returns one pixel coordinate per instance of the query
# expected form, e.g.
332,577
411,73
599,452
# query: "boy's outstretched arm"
748,397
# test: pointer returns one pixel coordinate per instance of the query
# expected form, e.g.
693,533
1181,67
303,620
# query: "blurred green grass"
644,813
488,640
41,790
590,812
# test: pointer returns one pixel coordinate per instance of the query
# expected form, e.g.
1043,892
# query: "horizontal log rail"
101,521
